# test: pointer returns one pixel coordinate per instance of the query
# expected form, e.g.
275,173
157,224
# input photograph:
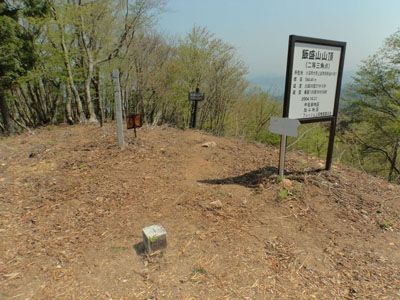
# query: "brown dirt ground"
72,207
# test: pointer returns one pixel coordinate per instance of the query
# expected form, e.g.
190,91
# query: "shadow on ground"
253,179
139,248
250,179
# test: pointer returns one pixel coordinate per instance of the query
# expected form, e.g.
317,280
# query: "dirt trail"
72,207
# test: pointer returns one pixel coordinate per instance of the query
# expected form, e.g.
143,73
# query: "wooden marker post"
118,109
194,97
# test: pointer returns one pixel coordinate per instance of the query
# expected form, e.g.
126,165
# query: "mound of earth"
72,208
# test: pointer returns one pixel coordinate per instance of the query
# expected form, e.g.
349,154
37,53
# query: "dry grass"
72,207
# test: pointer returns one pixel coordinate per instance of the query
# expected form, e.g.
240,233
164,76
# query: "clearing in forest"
72,207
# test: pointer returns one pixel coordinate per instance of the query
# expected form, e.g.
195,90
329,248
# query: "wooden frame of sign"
313,83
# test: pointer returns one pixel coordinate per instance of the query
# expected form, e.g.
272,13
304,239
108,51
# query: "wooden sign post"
134,121
118,108
194,97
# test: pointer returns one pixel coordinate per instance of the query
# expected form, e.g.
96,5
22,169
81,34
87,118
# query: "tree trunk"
31,112
393,162
68,107
88,95
36,103
44,98
85,46
5,114
123,100
99,102
71,82
21,110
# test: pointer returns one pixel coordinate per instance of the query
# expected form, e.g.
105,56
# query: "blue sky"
259,29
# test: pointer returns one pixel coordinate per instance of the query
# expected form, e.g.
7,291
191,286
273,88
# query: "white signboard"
314,80
284,126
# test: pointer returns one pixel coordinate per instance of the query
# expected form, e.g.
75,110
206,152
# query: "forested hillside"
56,59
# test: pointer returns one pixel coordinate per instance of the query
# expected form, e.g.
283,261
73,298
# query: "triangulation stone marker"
154,238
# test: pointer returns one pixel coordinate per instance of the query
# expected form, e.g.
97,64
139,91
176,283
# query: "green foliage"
208,63
371,119
386,224
16,49
283,194
36,8
199,270
312,139
249,117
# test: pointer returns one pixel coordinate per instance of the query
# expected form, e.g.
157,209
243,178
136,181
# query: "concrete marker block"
154,238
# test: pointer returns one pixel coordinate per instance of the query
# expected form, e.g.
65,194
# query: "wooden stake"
118,109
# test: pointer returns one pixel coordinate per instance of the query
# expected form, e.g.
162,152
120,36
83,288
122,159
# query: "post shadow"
252,179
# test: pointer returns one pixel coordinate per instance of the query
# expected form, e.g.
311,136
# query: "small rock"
202,236
287,183
217,204
352,290
209,144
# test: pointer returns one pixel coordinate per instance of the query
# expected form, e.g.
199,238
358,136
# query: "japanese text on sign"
313,80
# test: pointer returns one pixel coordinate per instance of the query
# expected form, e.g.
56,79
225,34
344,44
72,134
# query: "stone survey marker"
154,238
